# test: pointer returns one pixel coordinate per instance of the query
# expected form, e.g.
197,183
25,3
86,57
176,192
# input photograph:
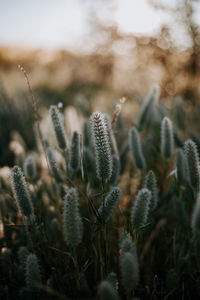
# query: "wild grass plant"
110,212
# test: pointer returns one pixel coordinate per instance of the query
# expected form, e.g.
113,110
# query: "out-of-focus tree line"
122,62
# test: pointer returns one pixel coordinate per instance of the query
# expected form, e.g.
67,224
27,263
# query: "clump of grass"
87,188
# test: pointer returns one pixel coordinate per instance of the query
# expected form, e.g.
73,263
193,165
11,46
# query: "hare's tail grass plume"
58,127
102,147
72,221
192,162
33,276
140,208
21,192
136,149
167,138
111,200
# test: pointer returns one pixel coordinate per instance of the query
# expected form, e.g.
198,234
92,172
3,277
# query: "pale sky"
53,24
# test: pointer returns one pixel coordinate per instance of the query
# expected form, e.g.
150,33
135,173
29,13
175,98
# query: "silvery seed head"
151,184
126,243
72,221
56,173
129,270
22,256
75,152
58,127
106,291
33,277
21,192
148,107
180,166
195,220
115,170
102,146
30,169
136,149
86,134
110,202
140,208
167,138
192,162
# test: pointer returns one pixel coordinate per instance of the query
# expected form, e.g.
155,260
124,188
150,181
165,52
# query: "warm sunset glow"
62,24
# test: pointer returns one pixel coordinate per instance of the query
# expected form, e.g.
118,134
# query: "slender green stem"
76,267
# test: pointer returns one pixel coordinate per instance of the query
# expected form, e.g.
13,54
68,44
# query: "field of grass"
99,205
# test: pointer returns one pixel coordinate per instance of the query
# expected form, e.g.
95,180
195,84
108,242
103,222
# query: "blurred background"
124,45
90,53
